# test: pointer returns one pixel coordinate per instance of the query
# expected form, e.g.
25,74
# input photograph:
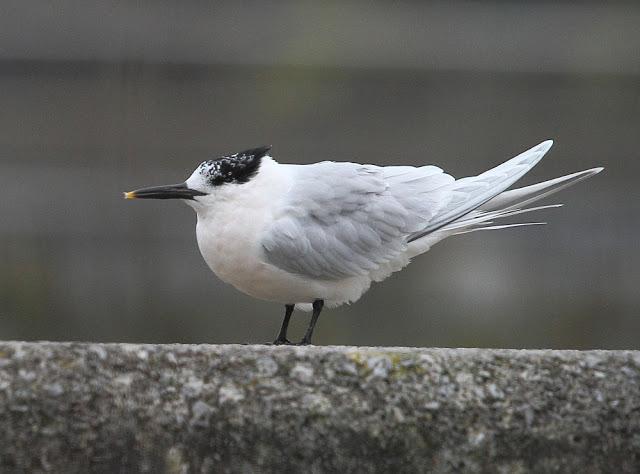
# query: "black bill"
171,191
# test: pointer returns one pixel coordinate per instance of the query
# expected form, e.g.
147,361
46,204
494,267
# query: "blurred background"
99,97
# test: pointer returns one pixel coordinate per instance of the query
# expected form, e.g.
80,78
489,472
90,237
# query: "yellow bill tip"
129,195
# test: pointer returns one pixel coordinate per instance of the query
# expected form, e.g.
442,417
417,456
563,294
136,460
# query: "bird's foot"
304,342
282,341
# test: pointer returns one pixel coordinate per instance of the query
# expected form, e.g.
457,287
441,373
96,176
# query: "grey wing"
344,219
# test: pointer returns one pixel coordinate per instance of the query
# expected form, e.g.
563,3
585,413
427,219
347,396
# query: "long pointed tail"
478,201
514,202
521,197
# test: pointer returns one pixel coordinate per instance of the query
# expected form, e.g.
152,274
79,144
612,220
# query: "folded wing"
345,219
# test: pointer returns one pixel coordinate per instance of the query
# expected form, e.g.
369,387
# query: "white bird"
320,234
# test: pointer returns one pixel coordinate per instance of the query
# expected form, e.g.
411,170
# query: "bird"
315,235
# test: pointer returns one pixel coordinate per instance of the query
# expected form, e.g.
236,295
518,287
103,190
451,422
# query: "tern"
315,235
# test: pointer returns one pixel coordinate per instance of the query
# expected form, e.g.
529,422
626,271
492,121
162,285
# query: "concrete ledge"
72,407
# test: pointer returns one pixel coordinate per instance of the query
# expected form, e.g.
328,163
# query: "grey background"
101,97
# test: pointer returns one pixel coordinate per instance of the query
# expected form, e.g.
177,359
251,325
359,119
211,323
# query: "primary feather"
466,194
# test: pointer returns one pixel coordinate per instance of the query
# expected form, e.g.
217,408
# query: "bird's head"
209,179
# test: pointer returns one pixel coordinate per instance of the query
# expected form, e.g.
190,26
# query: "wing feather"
344,219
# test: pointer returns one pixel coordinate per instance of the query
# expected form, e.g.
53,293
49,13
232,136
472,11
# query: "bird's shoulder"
333,181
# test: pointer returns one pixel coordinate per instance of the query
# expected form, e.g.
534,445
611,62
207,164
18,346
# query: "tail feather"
521,197
511,203
479,200
499,227
488,217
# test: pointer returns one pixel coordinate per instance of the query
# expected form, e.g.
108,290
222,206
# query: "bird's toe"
282,342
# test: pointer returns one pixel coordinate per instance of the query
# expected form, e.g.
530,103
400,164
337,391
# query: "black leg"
282,335
317,307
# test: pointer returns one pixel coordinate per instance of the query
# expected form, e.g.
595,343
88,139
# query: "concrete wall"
187,409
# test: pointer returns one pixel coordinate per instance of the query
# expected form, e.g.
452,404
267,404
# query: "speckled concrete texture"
75,407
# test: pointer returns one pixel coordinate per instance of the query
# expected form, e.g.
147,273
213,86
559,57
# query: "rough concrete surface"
75,407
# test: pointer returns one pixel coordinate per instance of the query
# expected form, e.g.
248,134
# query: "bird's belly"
237,259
